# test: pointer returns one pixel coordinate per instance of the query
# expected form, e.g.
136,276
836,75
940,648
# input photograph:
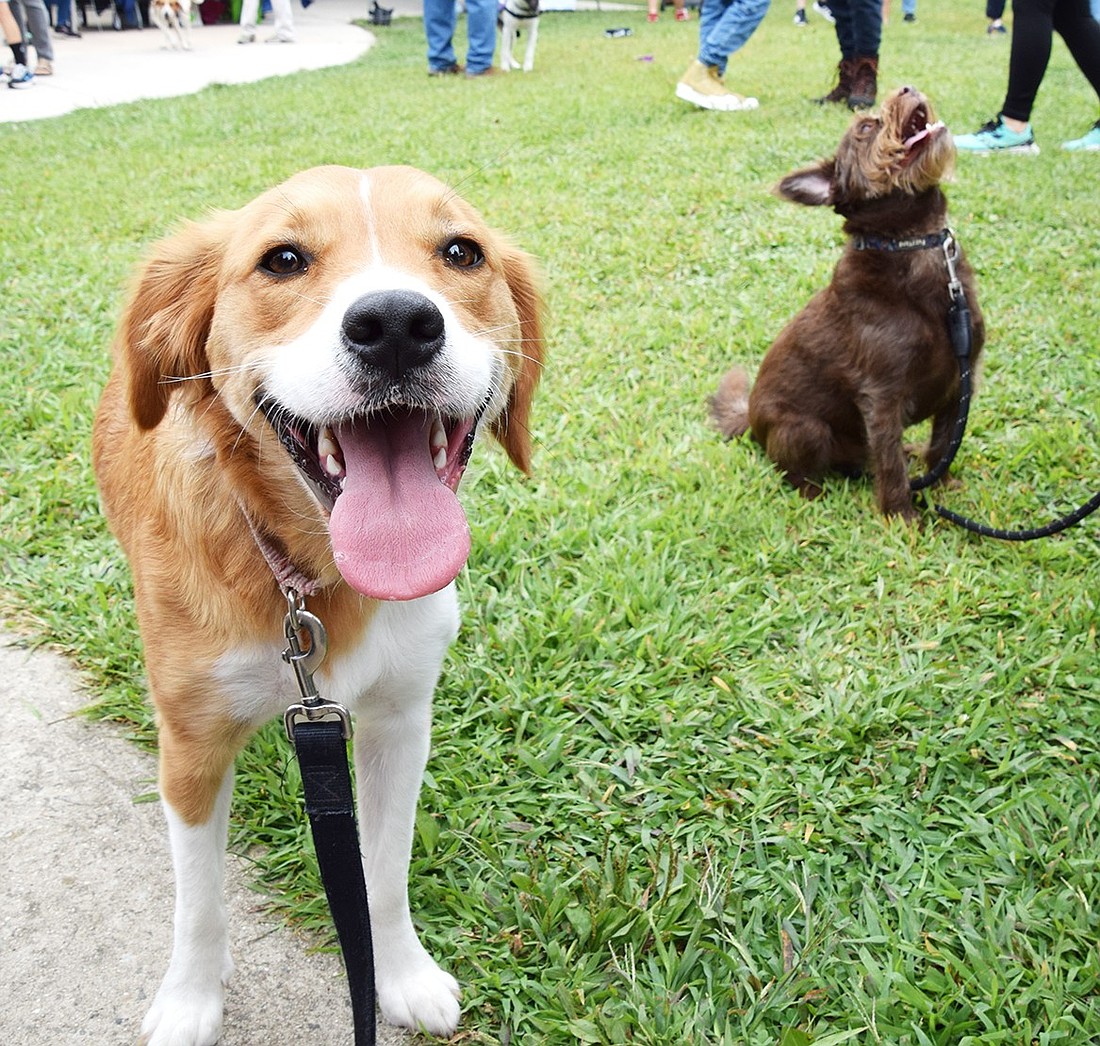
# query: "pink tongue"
397,532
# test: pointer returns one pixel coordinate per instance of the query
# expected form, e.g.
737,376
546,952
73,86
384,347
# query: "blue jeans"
481,33
909,7
725,25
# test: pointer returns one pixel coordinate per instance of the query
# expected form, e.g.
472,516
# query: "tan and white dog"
300,382
173,18
518,16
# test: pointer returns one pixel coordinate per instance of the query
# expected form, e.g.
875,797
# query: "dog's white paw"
187,1012
420,996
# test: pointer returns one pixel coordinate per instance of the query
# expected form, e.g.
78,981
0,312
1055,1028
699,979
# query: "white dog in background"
173,18
515,16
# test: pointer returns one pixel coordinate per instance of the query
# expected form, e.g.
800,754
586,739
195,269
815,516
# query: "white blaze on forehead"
372,232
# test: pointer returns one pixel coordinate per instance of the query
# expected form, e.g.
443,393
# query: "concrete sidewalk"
105,67
86,891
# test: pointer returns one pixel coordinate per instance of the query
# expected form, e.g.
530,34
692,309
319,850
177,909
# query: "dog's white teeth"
438,438
333,466
440,459
326,445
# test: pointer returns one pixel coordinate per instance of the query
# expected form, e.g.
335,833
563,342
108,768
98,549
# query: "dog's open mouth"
388,482
918,132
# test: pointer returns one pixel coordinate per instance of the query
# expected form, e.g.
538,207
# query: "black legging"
1033,22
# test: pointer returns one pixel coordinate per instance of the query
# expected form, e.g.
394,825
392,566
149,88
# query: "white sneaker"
20,77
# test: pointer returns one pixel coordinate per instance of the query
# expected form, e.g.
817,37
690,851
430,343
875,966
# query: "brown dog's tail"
729,406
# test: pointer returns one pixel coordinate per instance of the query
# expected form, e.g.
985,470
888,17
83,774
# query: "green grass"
712,764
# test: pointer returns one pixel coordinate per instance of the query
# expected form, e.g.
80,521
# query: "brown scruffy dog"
871,353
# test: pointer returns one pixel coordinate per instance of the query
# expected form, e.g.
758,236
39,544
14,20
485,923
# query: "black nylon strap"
908,243
326,780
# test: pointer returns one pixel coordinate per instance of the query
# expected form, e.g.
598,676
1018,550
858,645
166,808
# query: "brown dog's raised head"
903,150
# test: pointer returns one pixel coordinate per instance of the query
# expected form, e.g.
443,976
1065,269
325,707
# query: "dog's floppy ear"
812,186
522,276
164,327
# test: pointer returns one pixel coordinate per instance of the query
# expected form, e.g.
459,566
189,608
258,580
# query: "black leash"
960,328
1054,527
320,731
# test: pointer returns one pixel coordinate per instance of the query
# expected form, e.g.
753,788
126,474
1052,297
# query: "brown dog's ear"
812,186
166,322
521,274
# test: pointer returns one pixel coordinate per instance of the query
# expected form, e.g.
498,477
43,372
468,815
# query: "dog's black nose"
394,331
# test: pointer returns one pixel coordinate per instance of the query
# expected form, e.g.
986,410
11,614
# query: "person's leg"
727,34
20,76
702,84
844,26
1032,29
284,21
1074,23
250,13
481,35
866,28
439,28
1010,132
38,22
13,35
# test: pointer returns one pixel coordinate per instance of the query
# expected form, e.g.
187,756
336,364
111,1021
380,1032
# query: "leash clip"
951,256
312,708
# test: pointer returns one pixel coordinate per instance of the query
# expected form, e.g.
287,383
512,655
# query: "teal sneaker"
1090,143
997,137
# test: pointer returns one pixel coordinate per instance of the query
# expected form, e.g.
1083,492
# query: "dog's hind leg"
803,451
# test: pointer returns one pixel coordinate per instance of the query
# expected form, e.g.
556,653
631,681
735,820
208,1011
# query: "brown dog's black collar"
909,243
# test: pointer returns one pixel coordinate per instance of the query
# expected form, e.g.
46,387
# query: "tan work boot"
702,86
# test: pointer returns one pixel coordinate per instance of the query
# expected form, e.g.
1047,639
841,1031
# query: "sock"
19,53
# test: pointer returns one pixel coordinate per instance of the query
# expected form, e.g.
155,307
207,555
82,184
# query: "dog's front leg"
187,1009
392,737
507,37
532,40
884,431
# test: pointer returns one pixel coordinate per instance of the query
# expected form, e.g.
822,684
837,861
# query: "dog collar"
909,243
522,17
287,575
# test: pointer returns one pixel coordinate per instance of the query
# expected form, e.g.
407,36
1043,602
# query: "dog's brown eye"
284,261
463,254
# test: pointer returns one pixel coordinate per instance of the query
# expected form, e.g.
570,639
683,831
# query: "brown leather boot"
845,71
864,82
